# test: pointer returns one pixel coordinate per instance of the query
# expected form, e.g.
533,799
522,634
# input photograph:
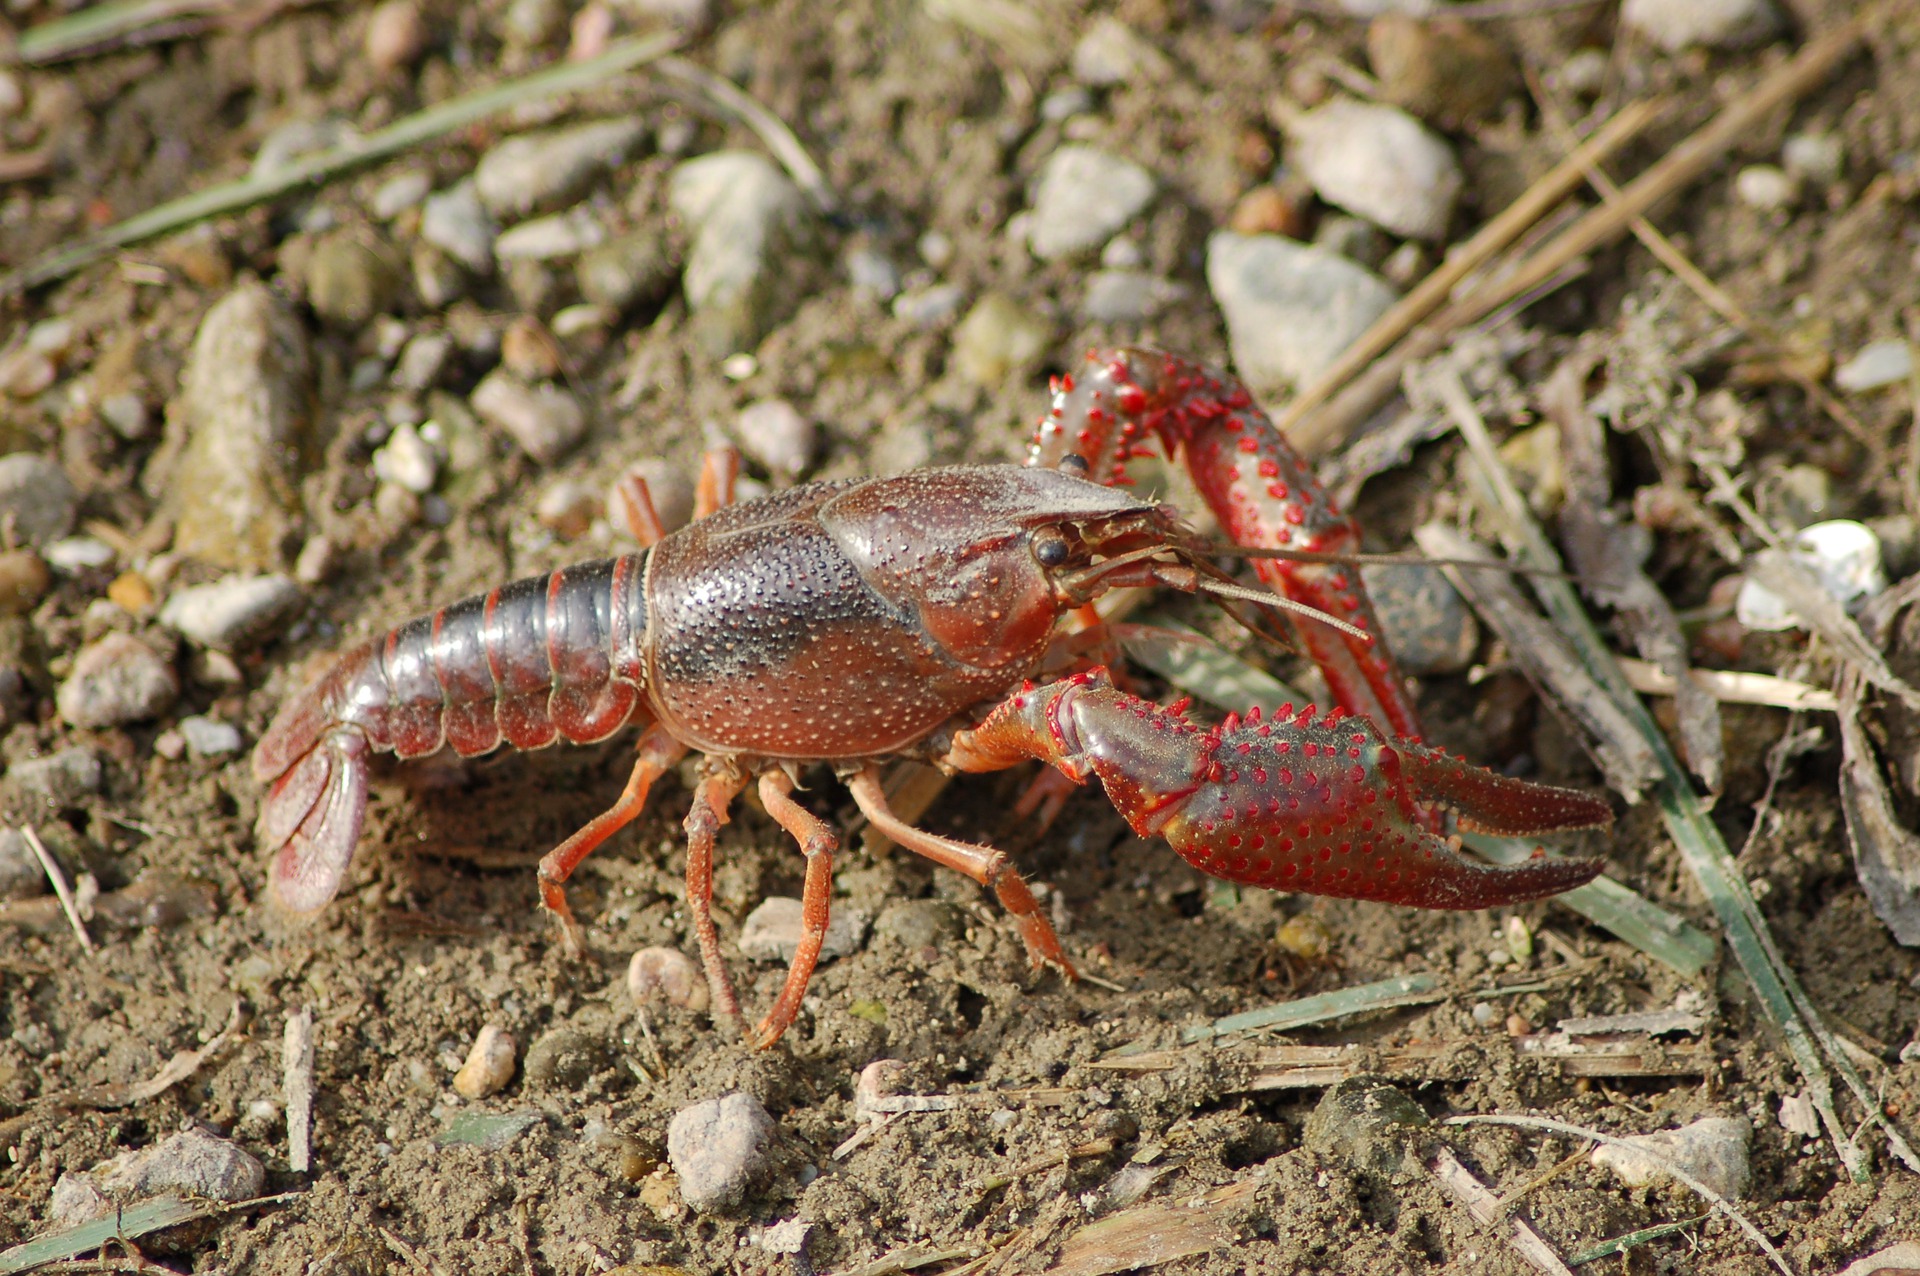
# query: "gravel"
237,429
1291,308
546,421
116,681
195,1162
669,975
1380,163
772,930
234,613
36,500
777,435
1717,24
1713,1150
534,171
1082,197
457,223
747,219
63,778
719,1149
489,1064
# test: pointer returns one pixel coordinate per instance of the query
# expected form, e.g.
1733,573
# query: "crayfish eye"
1075,465
1050,547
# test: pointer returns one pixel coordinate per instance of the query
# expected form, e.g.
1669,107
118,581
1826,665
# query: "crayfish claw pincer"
1322,804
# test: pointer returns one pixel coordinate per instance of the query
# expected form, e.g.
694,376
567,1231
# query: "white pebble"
489,1064
1719,24
408,460
1842,554
1818,158
669,975
397,194
234,612
1765,187
718,1149
1712,1150
1082,196
772,930
1380,163
546,421
776,434
78,553
1883,363
116,681
209,737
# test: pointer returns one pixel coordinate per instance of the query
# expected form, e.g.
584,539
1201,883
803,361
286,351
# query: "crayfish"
854,621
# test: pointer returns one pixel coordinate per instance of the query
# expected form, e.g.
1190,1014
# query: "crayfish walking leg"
1323,804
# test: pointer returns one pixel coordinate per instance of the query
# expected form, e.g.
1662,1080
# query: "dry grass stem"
297,1063
1489,1211
1733,687
58,880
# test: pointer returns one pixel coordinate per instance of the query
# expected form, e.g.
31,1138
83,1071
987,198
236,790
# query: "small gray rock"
233,613
422,360
1429,627
553,237
546,421
407,459
777,435
209,737
1290,308
115,681
1366,1123
533,171
1111,54
1883,363
627,271
1081,198
874,273
772,930
1128,296
457,223
719,1149
350,279
1766,187
998,339
688,15
194,1162
1379,163
228,474
1717,24
669,975
746,217
397,194
36,500
63,778
916,924
21,876
1818,158
1713,1150
930,307
566,1058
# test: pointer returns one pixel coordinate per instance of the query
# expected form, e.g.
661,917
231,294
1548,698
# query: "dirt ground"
923,125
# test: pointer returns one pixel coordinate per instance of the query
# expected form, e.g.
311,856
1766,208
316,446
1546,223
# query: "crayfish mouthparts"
1305,802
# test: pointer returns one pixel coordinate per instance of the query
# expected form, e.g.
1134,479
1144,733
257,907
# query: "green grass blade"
312,170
